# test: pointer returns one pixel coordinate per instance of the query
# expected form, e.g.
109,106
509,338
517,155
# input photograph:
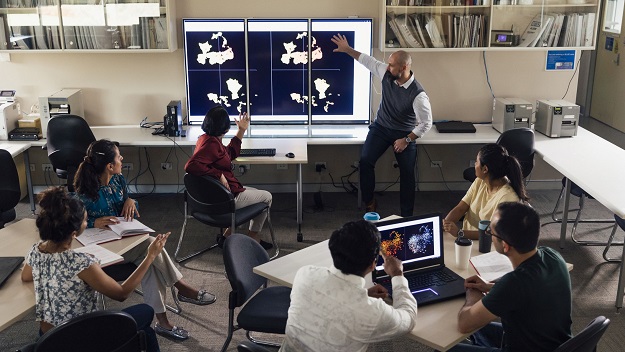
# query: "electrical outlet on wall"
165,166
436,163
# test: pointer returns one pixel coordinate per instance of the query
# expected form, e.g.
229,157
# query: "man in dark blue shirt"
533,301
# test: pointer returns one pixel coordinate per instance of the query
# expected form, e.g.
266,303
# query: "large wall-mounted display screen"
282,71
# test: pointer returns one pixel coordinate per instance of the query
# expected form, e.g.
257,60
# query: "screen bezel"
439,260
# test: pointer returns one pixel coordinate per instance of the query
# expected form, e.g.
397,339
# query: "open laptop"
418,242
8,266
455,127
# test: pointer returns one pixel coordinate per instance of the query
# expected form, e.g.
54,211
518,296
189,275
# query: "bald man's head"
399,66
403,58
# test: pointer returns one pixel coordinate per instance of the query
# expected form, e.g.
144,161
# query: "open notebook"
115,232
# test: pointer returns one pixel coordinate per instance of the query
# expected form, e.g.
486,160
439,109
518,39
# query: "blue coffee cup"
485,240
371,216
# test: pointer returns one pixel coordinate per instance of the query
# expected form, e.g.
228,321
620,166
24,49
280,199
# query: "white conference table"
595,165
437,324
133,135
18,298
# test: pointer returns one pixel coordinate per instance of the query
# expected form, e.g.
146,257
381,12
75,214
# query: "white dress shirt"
331,311
421,104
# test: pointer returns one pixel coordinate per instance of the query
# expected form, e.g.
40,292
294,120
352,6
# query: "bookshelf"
87,26
466,25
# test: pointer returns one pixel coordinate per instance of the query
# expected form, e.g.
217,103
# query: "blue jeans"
488,338
378,140
143,314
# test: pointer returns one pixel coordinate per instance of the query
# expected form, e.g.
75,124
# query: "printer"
510,113
8,119
556,118
65,101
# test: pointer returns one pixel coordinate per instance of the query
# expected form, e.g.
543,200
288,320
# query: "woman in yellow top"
498,179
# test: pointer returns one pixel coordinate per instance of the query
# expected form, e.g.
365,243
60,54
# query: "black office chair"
121,272
577,191
265,311
209,202
68,138
100,331
519,142
10,192
587,339
247,346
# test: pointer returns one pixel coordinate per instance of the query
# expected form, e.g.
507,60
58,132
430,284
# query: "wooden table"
18,298
437,324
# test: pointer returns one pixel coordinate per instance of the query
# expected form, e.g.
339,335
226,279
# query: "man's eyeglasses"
489,232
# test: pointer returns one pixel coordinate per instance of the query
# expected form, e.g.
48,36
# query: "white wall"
124,88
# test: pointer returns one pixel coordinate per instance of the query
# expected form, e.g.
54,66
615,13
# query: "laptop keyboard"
436,278
258,152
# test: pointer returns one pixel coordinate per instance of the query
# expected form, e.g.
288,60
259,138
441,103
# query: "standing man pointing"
403,116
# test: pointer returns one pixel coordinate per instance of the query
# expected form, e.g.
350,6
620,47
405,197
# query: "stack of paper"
491,266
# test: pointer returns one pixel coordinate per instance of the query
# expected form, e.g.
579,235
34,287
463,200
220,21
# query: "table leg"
565,212
29,182
621,283
300,236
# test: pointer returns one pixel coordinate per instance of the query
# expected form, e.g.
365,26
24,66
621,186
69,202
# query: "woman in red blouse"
212,158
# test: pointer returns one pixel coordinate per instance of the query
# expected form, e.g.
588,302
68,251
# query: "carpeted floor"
594,281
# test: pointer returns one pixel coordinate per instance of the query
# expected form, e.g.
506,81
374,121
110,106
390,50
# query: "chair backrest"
100,331
519,142
9,182
241,254
205,194
587,339
68,138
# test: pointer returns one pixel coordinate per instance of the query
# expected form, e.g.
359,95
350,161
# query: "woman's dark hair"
354,247
60,215
501,164
99,155
216,122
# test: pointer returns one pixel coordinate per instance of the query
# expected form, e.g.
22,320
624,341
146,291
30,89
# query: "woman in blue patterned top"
102,188
66,281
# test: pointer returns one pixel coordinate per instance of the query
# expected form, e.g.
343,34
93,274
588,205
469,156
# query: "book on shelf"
590,29
4,41
535,30
105,256
491,266
115,232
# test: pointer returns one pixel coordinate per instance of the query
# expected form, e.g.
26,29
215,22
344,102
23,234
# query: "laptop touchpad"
424,294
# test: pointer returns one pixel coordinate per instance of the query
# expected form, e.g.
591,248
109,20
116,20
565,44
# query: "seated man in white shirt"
331,310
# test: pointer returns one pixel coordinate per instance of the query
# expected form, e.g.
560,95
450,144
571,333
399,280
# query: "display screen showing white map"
215,65
278,58
294,75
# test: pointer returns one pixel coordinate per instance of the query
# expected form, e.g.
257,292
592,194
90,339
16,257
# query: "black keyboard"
429,279
258,152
